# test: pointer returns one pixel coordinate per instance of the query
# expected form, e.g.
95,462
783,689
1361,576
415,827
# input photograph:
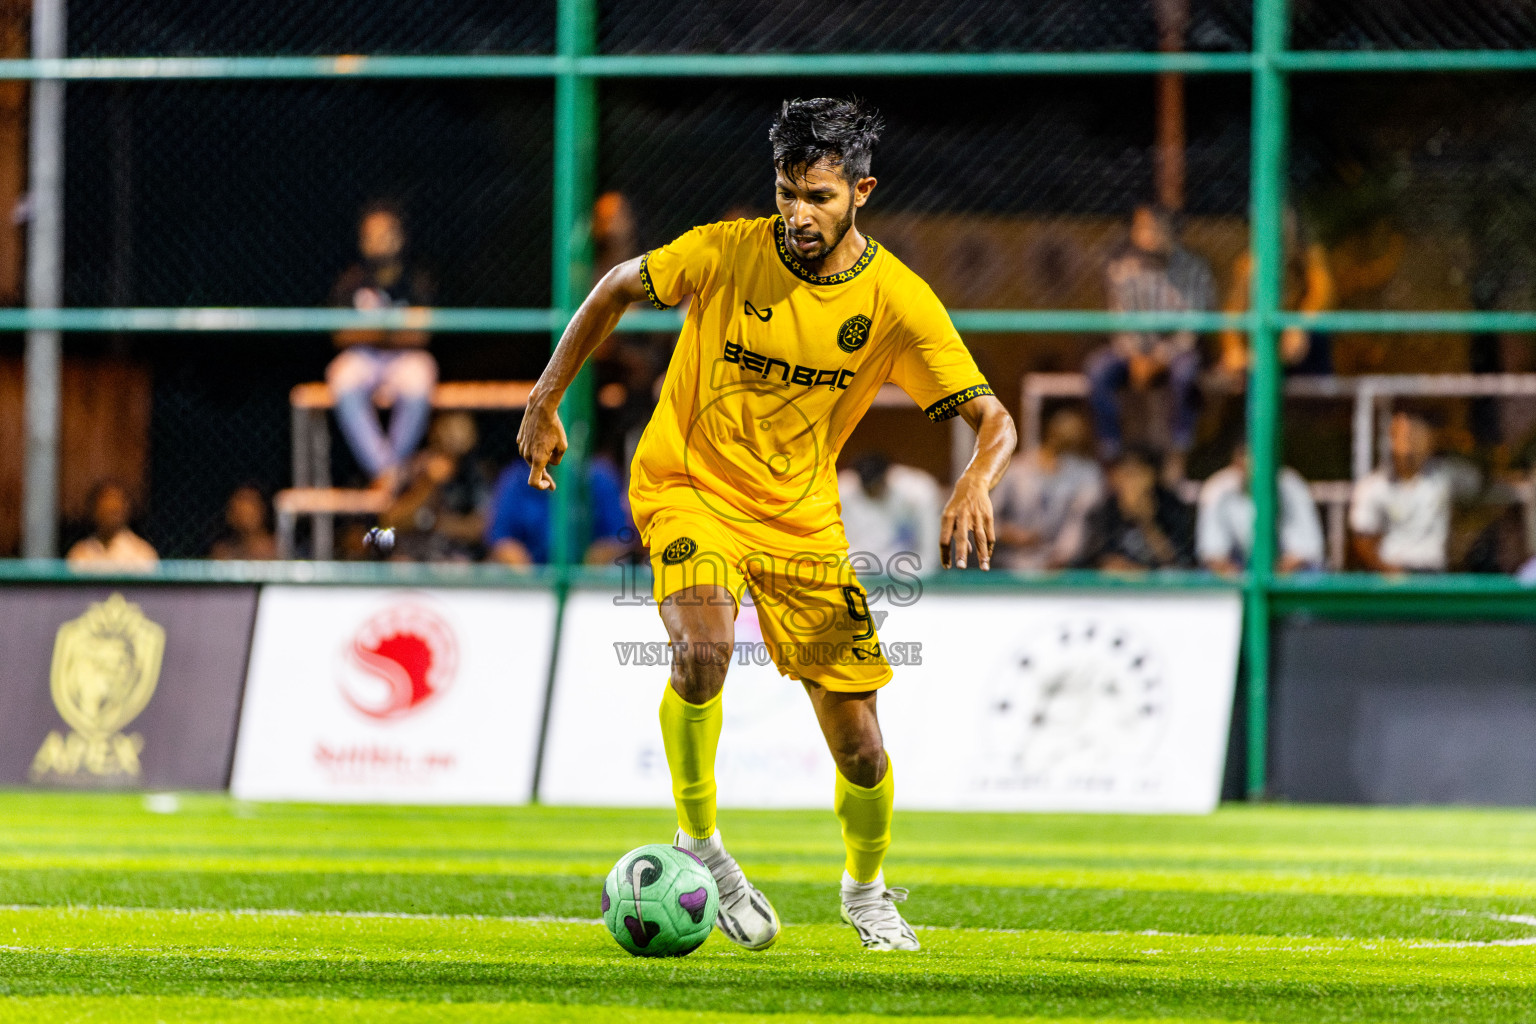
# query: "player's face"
817,206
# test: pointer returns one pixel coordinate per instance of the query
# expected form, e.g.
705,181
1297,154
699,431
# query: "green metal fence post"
1267,182
575,161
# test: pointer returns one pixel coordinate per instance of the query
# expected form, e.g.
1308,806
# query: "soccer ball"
660,900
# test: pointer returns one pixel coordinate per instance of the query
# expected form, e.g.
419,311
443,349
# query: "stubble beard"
842,228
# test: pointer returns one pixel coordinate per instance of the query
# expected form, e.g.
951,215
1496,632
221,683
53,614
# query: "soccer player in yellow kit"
794,322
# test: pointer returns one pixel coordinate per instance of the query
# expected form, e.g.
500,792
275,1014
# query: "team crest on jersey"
679,550
854,333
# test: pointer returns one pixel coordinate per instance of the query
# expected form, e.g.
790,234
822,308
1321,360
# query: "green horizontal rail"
199,571
617,66
1406,60
1365,595
1460,595
515,321
85,69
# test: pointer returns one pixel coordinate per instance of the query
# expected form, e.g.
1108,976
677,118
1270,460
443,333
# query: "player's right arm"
541,438
663,277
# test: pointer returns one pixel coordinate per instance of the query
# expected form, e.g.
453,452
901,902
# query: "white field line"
364,915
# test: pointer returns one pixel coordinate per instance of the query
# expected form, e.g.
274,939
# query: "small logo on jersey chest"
765,314
854,333
679,550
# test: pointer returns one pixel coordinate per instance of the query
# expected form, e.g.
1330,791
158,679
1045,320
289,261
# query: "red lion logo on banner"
399,660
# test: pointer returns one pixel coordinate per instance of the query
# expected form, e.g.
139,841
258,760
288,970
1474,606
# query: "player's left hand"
967,519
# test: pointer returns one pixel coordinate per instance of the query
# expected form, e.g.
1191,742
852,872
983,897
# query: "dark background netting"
220,419
1002,192
248,193
1413,24
164,28
919,26
1447,163
1029,150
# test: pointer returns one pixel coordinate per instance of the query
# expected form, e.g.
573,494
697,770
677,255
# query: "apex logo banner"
122,687
105,667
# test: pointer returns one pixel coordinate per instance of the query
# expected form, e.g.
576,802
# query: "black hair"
1430,418
807,131
1138,455
871,467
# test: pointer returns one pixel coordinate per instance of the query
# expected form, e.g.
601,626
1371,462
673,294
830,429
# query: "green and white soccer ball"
660,900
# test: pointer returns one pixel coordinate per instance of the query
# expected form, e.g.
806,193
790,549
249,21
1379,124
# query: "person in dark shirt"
1139,523
440,513
520,528
395,362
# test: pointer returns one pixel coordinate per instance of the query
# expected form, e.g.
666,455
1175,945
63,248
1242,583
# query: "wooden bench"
312,493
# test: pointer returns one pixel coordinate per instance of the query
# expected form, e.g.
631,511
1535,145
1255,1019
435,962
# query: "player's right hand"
541,442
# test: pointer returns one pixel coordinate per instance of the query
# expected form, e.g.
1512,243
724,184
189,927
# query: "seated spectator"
519,531
1400,515
1139,523
1308,288
247,534
372,361
1044,498
1152,273
1224,523
891,513
111,545
439,515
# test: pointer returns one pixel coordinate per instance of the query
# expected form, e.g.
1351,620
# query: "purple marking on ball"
690,853
642,932
694,902
605,901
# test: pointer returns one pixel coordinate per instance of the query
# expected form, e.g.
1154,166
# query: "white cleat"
746,917
871,909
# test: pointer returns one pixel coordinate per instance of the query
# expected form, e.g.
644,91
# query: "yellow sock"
691,733
866,818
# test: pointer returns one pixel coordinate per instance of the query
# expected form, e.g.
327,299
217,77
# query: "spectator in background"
439,515
111,545
1139,523
371,362
247,535
1045,496
519,532
1308,288
1152,273
1224,523
891,513
1400,515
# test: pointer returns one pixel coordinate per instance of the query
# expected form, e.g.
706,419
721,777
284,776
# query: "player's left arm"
968,519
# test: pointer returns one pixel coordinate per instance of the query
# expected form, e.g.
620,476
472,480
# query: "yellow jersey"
773,369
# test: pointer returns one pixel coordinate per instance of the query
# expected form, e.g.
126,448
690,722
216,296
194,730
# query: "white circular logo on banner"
1079,705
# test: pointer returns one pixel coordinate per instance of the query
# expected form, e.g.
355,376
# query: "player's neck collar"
795,267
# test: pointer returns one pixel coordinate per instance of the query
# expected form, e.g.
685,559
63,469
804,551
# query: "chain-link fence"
1004,192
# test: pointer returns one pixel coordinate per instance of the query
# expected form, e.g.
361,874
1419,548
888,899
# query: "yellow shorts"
812,610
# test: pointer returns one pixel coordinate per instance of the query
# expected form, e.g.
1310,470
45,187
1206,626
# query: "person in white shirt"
111,544
1045,496
1400,515
891,513
1224,524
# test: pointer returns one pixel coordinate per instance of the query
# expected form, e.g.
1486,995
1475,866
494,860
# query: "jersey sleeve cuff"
650,288
948,408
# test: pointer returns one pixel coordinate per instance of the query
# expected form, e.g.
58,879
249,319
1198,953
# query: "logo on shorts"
854,333
679,550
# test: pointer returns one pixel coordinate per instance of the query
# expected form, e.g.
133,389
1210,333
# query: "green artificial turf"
206,909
